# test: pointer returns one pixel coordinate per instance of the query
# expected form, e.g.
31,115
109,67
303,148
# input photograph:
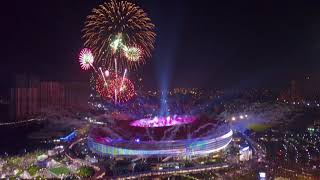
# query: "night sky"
205,43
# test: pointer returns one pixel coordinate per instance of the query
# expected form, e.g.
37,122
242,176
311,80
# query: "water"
16,141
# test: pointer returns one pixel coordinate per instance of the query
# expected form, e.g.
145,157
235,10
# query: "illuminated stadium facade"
197,138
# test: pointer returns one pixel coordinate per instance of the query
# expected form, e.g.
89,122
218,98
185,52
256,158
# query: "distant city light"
233,118
241,116
262,175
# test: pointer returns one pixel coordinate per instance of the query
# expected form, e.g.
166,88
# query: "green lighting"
131,53
116,44
311,130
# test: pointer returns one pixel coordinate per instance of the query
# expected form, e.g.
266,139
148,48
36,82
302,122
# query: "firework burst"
133,54
86,58
116,26
118,89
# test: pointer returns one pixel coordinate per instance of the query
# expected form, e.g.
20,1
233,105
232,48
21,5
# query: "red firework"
118,89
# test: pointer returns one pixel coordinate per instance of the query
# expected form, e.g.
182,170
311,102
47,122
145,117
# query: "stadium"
174,136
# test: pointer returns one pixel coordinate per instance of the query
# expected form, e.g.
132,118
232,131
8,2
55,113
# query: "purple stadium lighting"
163,121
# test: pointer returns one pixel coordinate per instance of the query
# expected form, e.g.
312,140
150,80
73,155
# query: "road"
258,150
99,171
189,170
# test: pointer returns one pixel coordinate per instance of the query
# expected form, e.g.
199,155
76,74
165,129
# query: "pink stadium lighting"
163,121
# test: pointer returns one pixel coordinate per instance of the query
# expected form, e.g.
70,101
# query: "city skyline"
170,89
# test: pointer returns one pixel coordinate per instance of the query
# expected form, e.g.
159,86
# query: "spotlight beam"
124,75
115,96
104,79
115,67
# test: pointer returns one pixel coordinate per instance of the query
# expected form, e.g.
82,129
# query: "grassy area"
60,170
32,170
259,127
85,171
23,161
15,161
